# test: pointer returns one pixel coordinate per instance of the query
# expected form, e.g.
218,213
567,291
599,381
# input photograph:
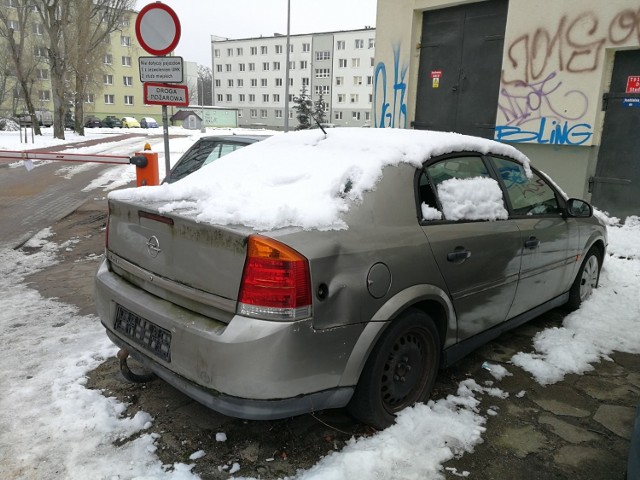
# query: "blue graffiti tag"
384,115
559,134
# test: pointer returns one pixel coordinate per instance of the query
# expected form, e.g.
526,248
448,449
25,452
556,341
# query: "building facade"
337,67
558,80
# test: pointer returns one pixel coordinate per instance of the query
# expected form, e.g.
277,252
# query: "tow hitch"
122,355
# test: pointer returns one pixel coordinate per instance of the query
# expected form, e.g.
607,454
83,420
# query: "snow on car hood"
299,178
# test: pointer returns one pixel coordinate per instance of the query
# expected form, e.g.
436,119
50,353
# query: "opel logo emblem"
153,246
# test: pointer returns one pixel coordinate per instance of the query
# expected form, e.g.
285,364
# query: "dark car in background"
92,123
111,122
206,150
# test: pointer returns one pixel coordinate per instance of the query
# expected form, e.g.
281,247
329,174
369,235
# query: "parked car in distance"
112,122
45,118
92,122
130,122
312,271
206,150
148,122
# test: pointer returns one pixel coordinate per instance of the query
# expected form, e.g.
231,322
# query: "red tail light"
276,284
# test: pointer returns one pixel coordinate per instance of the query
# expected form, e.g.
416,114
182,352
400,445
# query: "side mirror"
579,208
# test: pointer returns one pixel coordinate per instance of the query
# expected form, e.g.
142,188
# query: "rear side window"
528,196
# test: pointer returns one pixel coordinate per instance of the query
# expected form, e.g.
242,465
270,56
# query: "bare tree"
205,79
14,29
6,87
76,28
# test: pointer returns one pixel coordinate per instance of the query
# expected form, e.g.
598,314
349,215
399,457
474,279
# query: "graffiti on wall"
539,101
390,112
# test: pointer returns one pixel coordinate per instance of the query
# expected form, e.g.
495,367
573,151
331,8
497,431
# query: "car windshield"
203,153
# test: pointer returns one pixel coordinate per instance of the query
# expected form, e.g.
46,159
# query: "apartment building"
249,74
115,87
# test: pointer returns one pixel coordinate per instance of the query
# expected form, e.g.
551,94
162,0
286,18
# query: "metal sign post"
165,132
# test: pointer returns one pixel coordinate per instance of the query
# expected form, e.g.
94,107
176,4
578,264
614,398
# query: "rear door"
479,259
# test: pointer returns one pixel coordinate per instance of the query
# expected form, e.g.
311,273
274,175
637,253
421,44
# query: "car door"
550,243
479,258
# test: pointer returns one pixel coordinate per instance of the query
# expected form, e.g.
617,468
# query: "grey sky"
199,19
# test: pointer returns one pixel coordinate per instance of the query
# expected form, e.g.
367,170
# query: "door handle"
459,255
531,243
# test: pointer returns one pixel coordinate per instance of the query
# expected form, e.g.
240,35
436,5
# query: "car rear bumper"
247,368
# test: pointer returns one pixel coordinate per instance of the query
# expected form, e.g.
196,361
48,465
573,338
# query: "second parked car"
148,122
130,122
92,123
112,122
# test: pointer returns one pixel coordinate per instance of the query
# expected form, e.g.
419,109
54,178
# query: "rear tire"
400,371
586,280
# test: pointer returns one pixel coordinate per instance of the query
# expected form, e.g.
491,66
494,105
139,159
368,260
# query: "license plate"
147,334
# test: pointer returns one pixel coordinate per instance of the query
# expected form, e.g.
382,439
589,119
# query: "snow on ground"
51,426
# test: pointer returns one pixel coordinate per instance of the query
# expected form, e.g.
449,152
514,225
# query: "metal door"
460,65
616,185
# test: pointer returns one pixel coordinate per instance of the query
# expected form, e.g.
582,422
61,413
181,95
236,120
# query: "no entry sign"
158,29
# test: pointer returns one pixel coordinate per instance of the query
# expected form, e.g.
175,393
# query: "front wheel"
400,371
586,280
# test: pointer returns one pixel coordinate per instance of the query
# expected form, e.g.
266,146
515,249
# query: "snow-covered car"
148,122
206,150
130,122
314,270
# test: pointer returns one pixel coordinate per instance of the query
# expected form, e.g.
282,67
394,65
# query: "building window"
229,97
241,67
291,48
291,81
338,116
128,81
263,113
253,113
355,115
90,98
125,41
263,49
339,81
371,98
227,67
216,52
372,61
369,79
252,67
239,113
354,98
276,98
324,55
13,25
278,82
107,40
304,64
359,43
322,89
341,97
229,52
372,42
44,95
107,59
43,73
278,113
230,82
367,116
305,81
219,68
292,65
40,52
241,98
323,73
290,114
265,98
340,44
109,98
128,99
276,65
240,82
306,47
254,82
357,80
263,82
265,66
342,63
254,50
219,97
218,82
278,48
107,79
252,98
355,62
38,29
126,61
239,51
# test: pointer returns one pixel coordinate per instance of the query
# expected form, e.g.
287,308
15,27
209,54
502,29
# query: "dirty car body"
268,323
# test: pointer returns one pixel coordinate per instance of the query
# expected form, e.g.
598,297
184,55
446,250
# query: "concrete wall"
557,63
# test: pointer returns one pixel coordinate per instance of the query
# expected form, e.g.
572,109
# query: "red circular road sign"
158,29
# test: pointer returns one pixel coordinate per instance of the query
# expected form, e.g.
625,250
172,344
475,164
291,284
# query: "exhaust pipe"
122,355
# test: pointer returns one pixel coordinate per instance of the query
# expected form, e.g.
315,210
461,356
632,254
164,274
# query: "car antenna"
319,125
